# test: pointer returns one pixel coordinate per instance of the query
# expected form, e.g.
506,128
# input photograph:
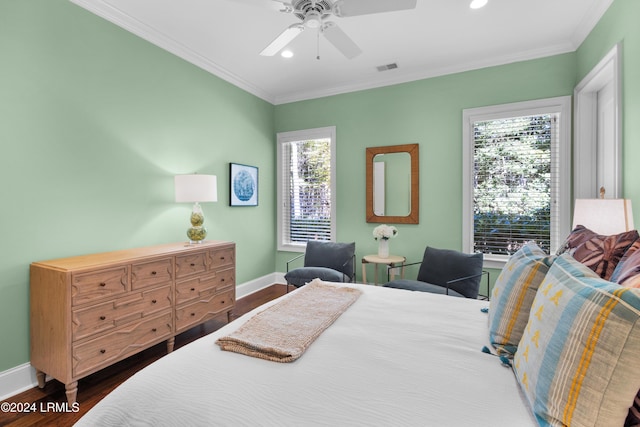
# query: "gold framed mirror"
393,184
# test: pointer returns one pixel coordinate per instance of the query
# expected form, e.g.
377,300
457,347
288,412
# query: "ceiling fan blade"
282,40
340,40
366,7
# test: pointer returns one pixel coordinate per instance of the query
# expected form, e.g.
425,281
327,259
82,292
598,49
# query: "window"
516,172
306,187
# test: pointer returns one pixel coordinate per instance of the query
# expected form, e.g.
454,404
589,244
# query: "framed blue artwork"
243,183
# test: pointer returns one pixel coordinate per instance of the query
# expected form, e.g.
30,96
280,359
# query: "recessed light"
286,54
477,4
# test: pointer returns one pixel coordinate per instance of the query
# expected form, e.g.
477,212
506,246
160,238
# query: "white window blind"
516,174
306,188
515,181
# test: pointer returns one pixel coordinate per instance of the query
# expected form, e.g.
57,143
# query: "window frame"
284,241
561,105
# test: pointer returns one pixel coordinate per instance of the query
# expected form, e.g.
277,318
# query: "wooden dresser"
90,311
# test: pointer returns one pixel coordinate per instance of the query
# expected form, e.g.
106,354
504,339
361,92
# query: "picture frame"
243,185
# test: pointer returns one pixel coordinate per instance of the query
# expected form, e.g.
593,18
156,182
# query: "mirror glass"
392,171
392,184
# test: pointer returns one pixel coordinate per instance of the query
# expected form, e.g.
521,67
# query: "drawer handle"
153,330
102,284
103,351
153,301
221,258
193,289
193,264
102,317
153,273
193,314
222,280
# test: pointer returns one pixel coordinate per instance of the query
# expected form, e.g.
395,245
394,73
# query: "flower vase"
383,248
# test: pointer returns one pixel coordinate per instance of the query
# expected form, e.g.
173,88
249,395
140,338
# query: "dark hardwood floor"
48,401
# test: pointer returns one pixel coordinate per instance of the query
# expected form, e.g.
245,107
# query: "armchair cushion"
337,256
303,275
440,266
414,285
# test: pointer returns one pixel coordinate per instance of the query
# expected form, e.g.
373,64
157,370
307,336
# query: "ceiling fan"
314,15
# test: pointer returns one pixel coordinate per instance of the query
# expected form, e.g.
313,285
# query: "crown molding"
153,36
399,78
589,21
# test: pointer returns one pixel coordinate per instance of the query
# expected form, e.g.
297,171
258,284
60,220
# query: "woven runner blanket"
283,331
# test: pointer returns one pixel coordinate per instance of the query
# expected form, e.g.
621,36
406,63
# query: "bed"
394,357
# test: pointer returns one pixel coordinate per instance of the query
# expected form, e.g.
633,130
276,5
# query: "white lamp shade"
604,216
196,188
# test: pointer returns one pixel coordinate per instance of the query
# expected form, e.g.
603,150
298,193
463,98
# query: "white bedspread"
394,358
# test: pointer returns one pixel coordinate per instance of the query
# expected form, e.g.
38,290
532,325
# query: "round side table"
391,261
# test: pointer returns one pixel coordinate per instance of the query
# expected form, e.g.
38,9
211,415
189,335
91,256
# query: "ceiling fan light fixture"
312,20
286,53
477,4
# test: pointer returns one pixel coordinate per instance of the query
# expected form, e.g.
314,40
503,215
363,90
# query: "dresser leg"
170,344
41,377
71,392
229,316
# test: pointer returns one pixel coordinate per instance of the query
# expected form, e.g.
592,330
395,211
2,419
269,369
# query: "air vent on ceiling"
391,66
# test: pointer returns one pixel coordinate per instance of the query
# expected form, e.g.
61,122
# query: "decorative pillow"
602,253
578,235
627,272
633,419
513,294
577,362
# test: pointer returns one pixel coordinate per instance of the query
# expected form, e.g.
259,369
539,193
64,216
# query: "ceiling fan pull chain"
318,43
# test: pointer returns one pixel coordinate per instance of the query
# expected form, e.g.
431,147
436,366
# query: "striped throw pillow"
577,361
513,294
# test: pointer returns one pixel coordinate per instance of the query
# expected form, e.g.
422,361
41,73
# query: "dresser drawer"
219,258
207,307
99,284
194,288
151,273
188,265
120,343
110,315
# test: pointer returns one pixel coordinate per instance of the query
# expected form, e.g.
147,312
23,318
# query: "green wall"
95,122
427,112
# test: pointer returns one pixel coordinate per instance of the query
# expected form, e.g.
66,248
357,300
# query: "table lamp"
604,216
196,189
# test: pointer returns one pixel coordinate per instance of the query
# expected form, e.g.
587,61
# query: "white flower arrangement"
384,232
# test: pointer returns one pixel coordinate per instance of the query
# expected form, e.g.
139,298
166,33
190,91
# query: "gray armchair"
445,271
329,261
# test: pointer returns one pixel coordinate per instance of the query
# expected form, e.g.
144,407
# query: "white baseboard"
23,377
16,380
257,284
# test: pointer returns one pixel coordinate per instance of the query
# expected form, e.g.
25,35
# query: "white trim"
608,70
304,135
258,284
16,380
23,377
153,36
118,17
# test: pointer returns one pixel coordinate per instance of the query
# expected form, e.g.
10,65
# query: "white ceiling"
438,37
